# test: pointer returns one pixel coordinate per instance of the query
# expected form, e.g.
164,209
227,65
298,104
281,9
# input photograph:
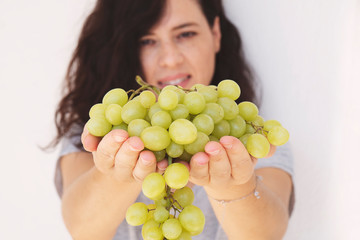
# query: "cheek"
146,65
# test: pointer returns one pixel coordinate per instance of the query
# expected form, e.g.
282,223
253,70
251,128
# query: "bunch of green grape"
177,123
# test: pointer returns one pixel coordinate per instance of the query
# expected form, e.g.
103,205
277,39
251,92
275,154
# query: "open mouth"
182,81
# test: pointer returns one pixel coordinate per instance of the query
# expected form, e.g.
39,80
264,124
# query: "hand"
225,169
121,157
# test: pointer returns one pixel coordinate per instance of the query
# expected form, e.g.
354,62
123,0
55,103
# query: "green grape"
155,138
186,157
204,123
248,110
197,87
231,110
122,126
258,121
153,185
153,233
136,127
244,138
150,223
180,111
132,110
184,197
98,126
195,102
154,109
137,214
278,136
192,219
198,145
250,129
116,95
168,100
174,150
97,110
171,228
161,119
182,131
176,175
213,138
269,124
151,208
161,214
159,155
162,202
185,235
147,98
215,111
229,88
221,129
210,94
237,126
179,92
257,145
113,114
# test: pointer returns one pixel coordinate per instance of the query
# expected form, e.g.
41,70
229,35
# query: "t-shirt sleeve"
69,144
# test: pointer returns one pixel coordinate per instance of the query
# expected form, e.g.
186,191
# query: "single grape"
155,138
221,129
168,100
215,111
229,88
231,109
147,98
184,197
197,87
269,124
122,126
151,208
174,150
98,126
113,114
250,129
161,214
210,94
179,92
237,126
136,127
116,95
153,233
195,102
182,131
161,119
172,228
278,136
150,223
257,145
198,145
153,185
192,219
258,121
186,157
176,175
204,123
180,111
132,110
159,155
162,202
137,214
248,110
97,110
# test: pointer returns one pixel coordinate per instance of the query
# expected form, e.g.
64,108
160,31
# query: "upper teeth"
176,81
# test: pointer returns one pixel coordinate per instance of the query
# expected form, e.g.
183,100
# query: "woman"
167,42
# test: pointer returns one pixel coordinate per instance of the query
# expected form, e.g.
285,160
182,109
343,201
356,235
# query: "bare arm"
99,187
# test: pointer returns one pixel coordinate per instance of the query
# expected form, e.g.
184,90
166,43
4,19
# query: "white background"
305,52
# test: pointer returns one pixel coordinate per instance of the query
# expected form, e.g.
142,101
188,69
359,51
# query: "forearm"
252,218
95,204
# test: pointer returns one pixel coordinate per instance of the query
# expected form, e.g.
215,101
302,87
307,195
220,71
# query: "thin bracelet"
253,192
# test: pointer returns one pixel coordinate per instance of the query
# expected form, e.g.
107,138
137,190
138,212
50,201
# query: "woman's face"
181,48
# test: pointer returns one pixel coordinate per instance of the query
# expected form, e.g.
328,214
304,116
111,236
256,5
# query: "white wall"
306,53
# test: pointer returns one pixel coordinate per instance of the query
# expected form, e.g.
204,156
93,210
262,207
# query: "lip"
166,80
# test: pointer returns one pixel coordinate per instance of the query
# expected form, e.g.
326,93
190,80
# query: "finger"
242,165
89,141
272,151
145,165
127,156
161,166
199,169
108,147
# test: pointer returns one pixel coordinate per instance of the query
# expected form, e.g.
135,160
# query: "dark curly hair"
107,56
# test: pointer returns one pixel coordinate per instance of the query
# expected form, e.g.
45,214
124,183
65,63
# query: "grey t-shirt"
282,159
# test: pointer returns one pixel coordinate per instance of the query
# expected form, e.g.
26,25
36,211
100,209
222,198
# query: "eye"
147,42
186,35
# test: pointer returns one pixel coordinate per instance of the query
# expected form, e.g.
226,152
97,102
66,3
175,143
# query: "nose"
170,56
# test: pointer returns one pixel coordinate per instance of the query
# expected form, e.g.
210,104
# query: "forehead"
178,12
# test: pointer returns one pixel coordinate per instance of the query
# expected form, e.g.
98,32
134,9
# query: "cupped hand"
225,169
120,156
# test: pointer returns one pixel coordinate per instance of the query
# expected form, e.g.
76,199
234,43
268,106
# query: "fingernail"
119,138
145,161
202,161
134,145
213,150
227,144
